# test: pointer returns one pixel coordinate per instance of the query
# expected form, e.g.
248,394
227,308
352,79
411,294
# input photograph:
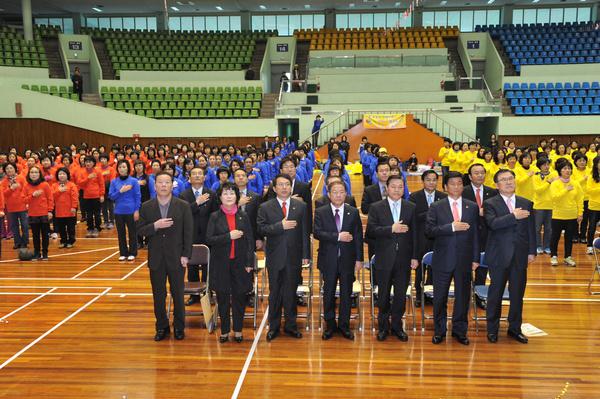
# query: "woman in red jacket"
91,182
13,186
38,196
66,199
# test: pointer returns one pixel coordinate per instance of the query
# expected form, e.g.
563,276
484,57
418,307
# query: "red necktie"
478,197
509,205
455,214
284,209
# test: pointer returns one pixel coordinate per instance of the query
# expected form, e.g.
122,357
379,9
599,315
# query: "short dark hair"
427,173
472,166
104,155
228,186
335,182
498,173
282,176
394,177
561,163
123,161
241,170
163,173
63,169
541,161
452,175
89,158
380,163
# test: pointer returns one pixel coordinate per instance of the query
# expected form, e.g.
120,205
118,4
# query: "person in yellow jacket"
465,157
542,203
490,167
567,210
511,162
561,152
443,155
591,154
453,157
593,192
500,159
524,172
581,174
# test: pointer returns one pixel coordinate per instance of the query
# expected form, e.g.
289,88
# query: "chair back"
427,259
596,243
482,260
200,255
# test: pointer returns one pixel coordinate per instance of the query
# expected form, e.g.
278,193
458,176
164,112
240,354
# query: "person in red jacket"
108,206
38,196
13,186
91,182
66,200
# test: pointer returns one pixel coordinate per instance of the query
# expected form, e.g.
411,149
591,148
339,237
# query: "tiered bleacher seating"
179,51
376,38
59,91
544,44
578,98
185,102
18,52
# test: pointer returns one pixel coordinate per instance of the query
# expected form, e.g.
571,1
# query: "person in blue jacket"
340,171
125,192
223,175
394,163
255,182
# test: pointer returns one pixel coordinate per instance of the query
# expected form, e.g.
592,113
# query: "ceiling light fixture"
307,6
443,2
96,9
262,7
219,8
174,8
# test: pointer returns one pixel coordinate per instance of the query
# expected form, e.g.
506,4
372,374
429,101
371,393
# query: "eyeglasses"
506,179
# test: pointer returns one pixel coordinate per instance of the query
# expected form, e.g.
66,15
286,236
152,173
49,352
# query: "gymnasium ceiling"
49,7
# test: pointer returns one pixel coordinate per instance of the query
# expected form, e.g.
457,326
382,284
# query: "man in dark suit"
452,223
249,202
283,222
510,248
374,193
392,225
423,200
166,222
324,200
477,192
266,144
202,203
339,230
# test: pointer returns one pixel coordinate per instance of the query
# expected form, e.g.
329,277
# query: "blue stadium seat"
514,102
541,86
551,101
528,94
595,85
518,110
560,101
541,101
523,102
595,109
569,101
510,94
519,94
533,101
506,86
565,110
515,86
577,85
588,101
556,110
585,110
528,111
532,86
585,85
578,101
549,86
558,86
575,110
547,110
537,110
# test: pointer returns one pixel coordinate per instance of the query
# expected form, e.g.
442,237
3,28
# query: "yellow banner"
384,121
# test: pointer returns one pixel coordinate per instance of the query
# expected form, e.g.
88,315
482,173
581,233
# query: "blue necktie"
395,212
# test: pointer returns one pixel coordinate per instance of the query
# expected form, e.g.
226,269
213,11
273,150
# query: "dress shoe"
192,300
179,334
327,334
161,334
417,303
293,333
223,338
238,338
382,335
517,335
462,339
401,335
481,304
492,338
300,301
438,339
272,334
346,333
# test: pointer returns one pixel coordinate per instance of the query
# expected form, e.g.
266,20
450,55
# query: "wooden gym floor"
81,326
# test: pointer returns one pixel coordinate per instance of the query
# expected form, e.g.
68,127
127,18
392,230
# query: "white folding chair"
355,297
252,315
427,290
305,290
480,292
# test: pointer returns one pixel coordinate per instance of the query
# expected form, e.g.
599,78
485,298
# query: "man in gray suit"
283,222
167,223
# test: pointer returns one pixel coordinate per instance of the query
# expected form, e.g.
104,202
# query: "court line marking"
51,286
317,187
67,254
94,265
27,304
240,381
56,326
134,270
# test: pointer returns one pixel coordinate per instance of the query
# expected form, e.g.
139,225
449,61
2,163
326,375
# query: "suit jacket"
329,246
251,209
324,200
217,236
507,236
488,193
303,191
167,246
284,247
453,249
371,194
200,213
388,245
425,244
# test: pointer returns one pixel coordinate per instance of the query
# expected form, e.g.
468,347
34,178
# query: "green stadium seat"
158,113
254,113
149,113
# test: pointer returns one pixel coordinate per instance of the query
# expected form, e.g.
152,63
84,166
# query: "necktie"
384,192
338,222
478,197
395,212
509,205
284,209
429,199
455,213
196,193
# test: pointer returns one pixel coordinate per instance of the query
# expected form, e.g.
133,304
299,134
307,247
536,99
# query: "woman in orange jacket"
13,186
38,196
66,200
91,182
